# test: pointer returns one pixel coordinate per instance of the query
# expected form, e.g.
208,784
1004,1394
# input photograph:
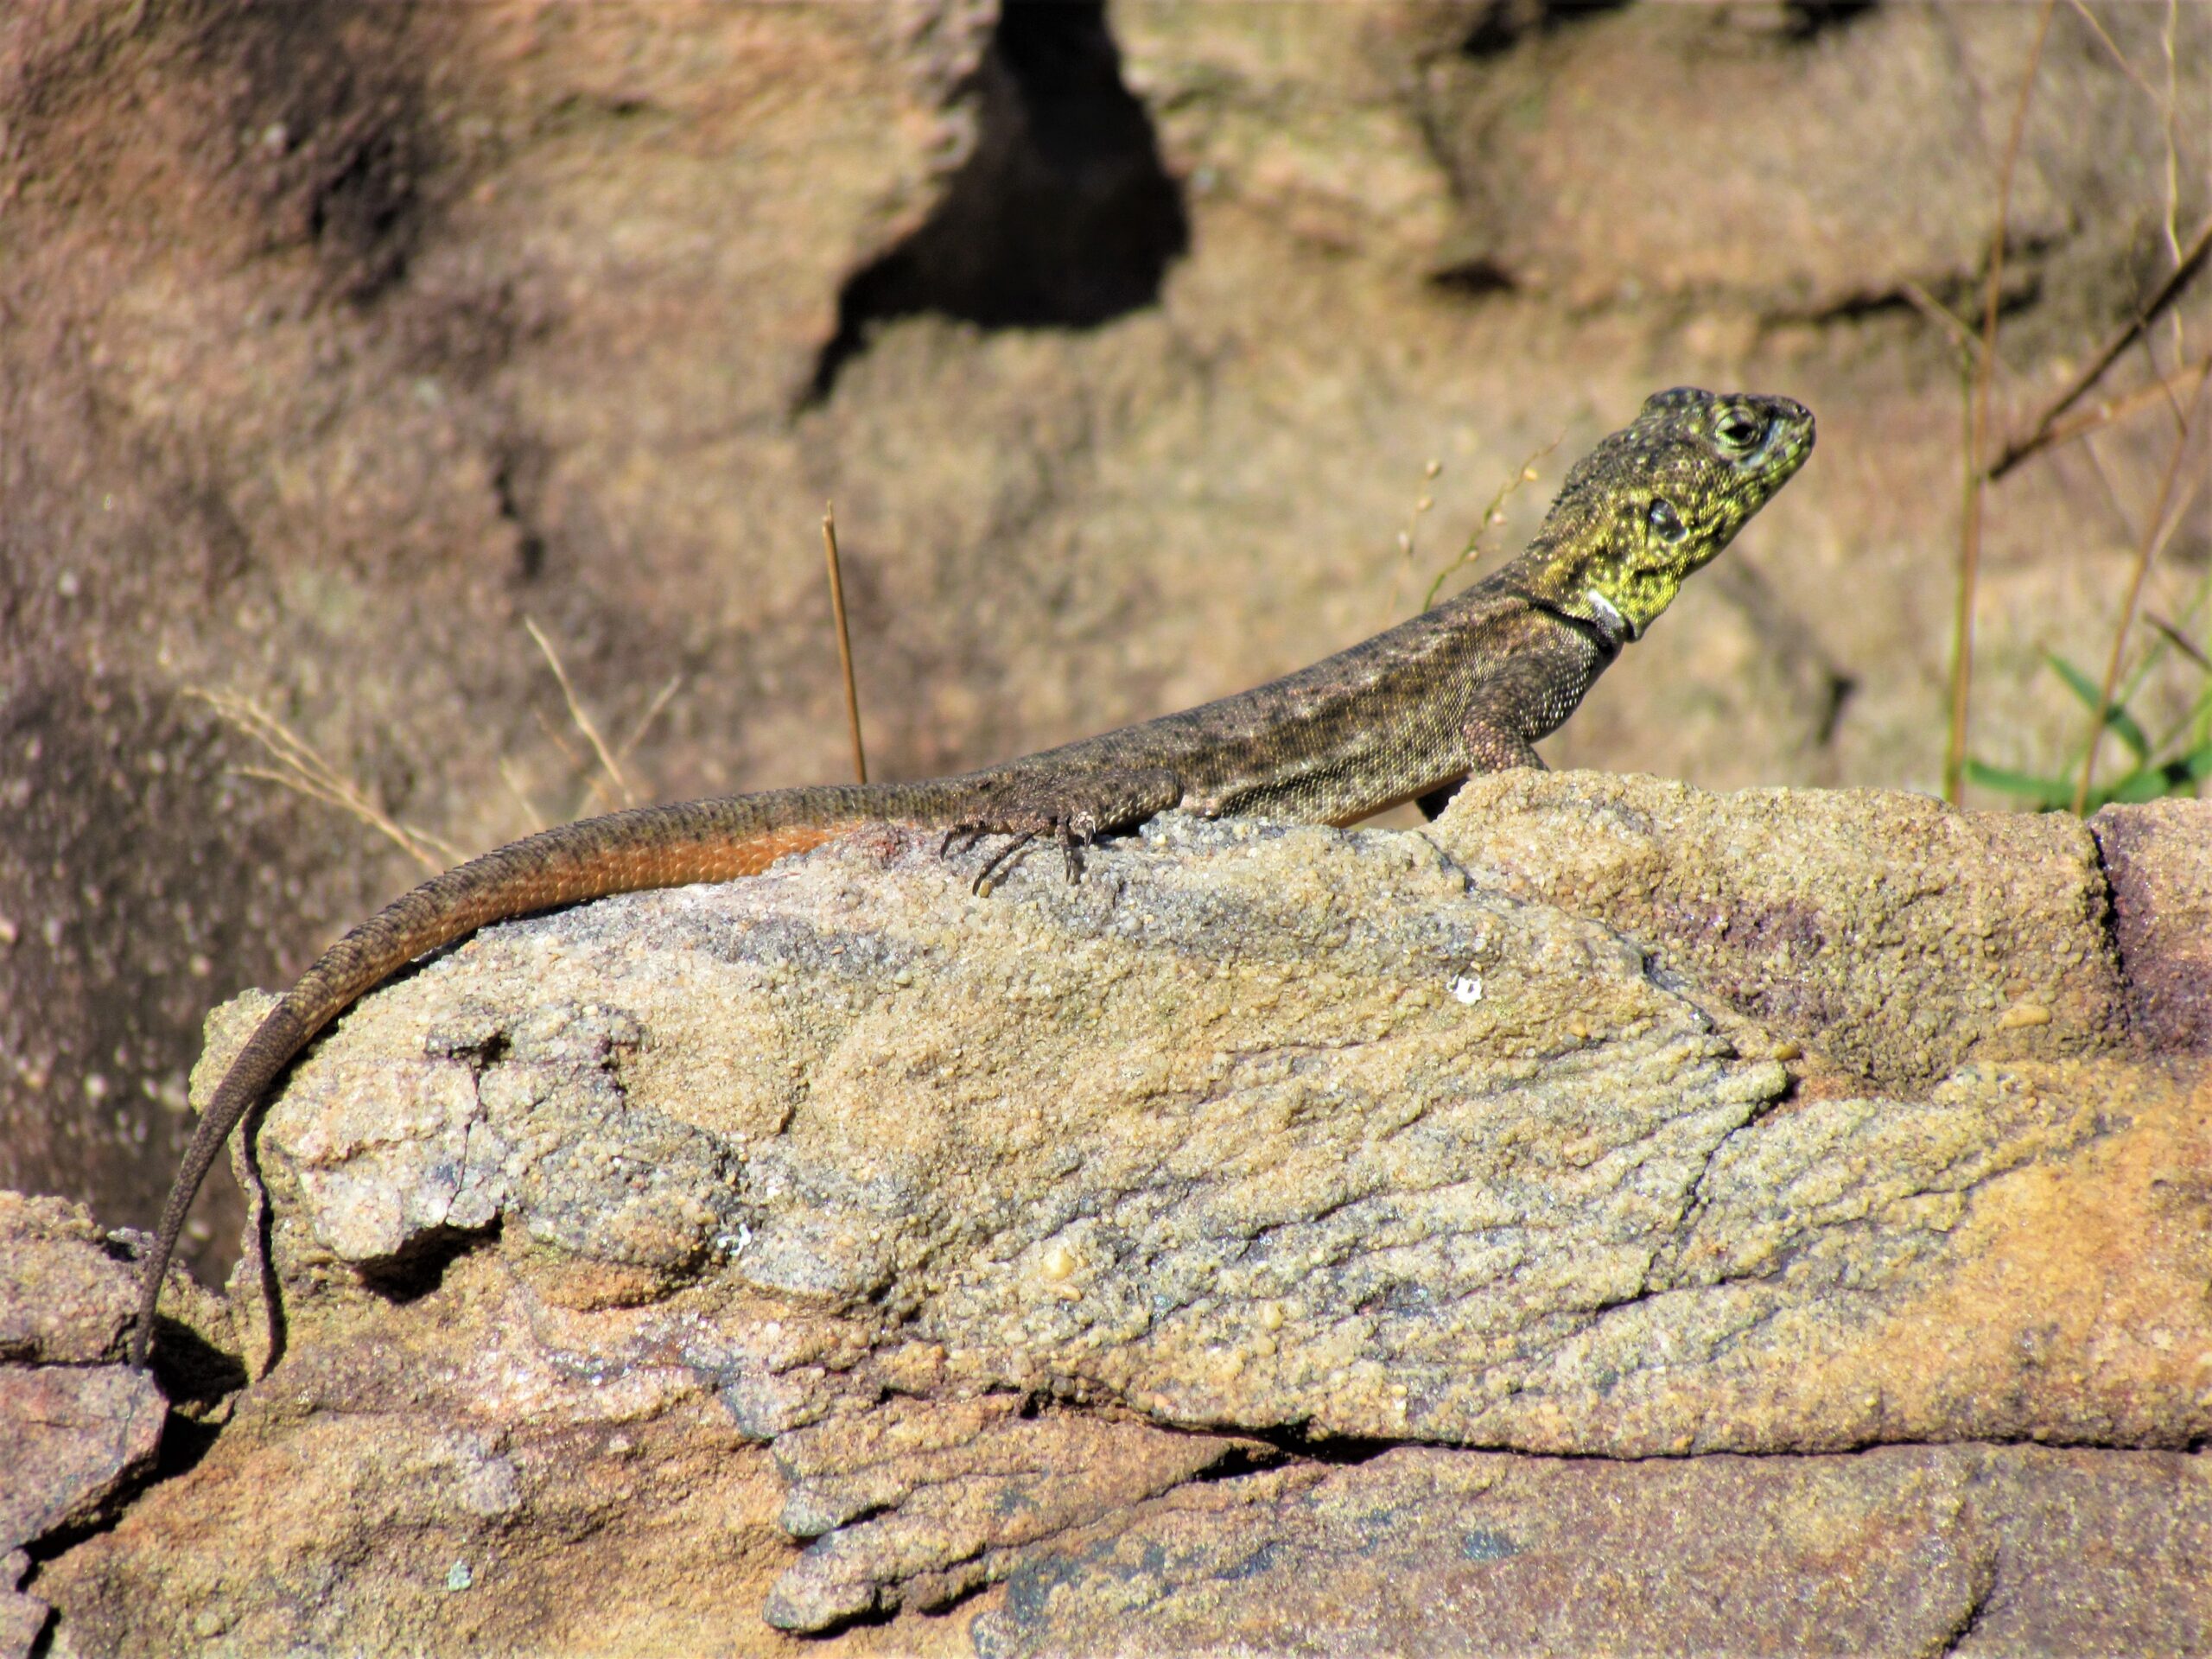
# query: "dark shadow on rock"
1500,25
418,1267
1063,217
1806,18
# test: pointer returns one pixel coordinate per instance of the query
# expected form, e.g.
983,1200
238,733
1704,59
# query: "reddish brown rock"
1902,1550
2158,860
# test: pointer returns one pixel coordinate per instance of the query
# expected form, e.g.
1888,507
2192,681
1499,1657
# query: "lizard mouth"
1789,438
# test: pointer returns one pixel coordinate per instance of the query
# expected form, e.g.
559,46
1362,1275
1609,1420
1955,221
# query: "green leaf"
2122,724
2076,682
2045,792
2144,784
2179,776
2117,717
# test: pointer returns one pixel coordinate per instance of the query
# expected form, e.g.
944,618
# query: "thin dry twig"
1941,315
2180,641
2172,103
567,751
583,721
2169,389
2156,530
2118,56
844,637
2191,258
302,768
1954,749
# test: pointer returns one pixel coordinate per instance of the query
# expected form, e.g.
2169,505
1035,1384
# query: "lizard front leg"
1073,811
1490,748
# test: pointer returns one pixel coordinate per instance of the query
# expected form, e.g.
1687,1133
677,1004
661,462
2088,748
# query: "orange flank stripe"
756,853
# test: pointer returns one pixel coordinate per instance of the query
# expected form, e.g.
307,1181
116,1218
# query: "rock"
65,1291
1897,1550
1900,938
77,1430
917,1504
1095,1257
22,1618
74,1436
2158,859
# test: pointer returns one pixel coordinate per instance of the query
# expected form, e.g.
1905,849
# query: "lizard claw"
998,859
1072,812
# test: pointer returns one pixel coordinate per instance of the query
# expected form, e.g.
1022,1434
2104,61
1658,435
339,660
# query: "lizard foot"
1073,811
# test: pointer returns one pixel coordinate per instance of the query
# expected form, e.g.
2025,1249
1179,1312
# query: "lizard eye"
1740,430
1665,521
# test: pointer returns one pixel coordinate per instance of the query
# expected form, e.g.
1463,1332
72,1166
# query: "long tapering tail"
651,847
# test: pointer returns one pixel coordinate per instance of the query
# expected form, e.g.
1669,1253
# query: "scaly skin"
1466,687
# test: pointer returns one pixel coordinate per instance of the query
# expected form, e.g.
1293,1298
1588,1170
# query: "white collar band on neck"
1609,616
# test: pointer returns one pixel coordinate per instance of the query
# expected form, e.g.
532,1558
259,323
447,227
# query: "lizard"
1469,686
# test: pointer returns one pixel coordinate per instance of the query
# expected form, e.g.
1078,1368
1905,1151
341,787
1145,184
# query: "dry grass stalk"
2156,530
844,637
302,769
2039,435
1955,746
583,720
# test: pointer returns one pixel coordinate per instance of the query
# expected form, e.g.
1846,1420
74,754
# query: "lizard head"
1660,498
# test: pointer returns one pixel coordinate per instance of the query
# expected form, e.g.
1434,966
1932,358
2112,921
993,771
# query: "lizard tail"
650,847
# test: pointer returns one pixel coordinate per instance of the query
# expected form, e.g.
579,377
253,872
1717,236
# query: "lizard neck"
1560,580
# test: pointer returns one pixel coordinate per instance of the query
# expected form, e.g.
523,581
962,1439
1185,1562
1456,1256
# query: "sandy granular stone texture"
842,1244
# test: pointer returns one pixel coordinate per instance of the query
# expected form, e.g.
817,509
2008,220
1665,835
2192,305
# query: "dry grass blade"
2180,641
530,812
1939,314
1955,746
2156,530
2112,46
844,637
645,720
302,769
583,720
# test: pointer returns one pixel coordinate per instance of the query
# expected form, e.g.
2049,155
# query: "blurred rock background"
338,341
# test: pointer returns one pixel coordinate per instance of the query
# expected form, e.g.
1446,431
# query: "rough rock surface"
1898,938
1195,1256
2160,860
1897,1550
336,340
77,1427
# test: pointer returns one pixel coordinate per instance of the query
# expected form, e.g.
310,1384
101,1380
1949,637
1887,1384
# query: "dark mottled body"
1465,687
1468,686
